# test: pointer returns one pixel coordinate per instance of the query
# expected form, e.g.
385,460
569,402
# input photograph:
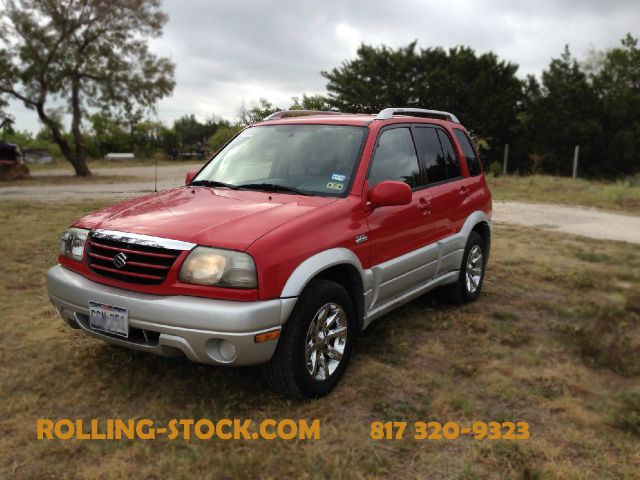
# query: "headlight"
72,243
222,268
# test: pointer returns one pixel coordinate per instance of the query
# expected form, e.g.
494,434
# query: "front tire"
467,287
315,344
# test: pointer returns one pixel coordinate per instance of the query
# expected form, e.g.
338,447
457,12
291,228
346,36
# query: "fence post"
505,159
576,153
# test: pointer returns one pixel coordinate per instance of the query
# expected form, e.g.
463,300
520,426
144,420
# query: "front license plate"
110,319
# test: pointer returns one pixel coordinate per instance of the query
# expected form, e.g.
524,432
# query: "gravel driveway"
589,222
585,221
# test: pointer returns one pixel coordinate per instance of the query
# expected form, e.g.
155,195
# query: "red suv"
288,243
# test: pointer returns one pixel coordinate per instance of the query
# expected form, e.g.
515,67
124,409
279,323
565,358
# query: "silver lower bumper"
174,325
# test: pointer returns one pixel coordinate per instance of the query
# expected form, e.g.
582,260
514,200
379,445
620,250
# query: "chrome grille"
128,261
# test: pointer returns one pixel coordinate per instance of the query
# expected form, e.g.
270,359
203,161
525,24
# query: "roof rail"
388,113
299,113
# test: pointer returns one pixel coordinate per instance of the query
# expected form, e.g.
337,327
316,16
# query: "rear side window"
395,159
450,158
438,155
473,162
432,157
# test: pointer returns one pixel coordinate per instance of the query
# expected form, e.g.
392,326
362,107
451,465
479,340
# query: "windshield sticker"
335,186
338,177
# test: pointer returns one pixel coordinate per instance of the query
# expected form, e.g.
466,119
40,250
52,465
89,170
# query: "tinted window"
469,154
453,167
395,159
432,156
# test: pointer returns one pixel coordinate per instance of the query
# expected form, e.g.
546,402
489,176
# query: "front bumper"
174,325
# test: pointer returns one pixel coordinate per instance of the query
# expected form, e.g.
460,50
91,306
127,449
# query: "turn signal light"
263,337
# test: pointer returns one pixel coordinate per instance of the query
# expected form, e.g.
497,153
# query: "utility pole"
505,159
576,153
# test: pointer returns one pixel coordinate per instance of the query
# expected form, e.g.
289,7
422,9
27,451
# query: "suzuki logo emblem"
120,260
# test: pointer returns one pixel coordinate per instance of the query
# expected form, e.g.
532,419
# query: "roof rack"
388,113
299,113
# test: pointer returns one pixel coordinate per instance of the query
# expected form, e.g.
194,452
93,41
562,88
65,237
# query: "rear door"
443,175
474,193
446,183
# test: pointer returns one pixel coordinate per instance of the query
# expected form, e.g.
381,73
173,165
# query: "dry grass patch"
618,196
545,344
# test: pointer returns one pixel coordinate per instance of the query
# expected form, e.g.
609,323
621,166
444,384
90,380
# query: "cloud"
233,53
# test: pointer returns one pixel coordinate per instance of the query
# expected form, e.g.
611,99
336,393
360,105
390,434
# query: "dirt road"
142,181
588,222
583,221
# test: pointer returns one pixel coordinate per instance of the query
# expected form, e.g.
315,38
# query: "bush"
222,136
632,180
496,169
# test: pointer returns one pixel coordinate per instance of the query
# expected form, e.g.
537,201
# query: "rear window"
473,162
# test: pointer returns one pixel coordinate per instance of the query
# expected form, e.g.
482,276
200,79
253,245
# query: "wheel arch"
340,265
478,222
483,228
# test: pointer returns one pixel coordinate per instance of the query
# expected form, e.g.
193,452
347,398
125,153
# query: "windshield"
312,159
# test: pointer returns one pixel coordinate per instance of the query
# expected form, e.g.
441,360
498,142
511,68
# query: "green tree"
561,112
481,90
617,82
310,102
91,54
223,134
107,134
258,112
169,141
192,133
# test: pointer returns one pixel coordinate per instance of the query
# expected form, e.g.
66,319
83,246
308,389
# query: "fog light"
227,351
221,350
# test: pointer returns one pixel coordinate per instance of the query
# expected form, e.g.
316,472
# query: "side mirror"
389,193
189,176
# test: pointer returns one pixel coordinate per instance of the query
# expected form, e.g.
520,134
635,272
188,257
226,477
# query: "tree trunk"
80,162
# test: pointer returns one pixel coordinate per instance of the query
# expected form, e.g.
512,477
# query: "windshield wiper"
213,183
274,187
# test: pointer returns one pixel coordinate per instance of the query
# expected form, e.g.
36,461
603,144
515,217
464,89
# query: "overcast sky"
230,53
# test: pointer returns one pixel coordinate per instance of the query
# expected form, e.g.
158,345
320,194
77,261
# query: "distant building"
119,156
39,156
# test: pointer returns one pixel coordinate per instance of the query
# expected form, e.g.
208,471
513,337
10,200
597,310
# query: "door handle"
463,191
424,205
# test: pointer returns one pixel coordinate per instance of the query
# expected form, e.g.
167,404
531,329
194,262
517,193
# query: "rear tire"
467,288
315,344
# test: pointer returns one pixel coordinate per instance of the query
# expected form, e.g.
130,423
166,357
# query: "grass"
617,196
530,349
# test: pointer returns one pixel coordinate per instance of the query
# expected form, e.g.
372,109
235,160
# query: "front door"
398,235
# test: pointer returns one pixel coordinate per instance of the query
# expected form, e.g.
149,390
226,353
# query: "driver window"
395,159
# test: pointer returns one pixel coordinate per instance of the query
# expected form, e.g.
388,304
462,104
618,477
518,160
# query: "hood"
214,217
